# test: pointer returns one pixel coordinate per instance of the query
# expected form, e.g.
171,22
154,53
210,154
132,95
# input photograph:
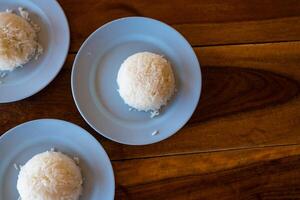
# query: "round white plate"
19,144
54,37
95,71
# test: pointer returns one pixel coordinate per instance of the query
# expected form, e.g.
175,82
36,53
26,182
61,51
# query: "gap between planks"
228,44
211,151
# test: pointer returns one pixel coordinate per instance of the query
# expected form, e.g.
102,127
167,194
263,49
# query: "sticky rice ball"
18,41
50,176
146,81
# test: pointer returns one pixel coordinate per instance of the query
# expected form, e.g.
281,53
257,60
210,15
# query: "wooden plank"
279,29
281,58
267,173
212,22
253,88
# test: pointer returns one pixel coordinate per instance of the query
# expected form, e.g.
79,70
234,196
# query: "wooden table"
243,141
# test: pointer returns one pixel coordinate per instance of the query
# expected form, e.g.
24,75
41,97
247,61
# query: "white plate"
55,39
19,144
95,71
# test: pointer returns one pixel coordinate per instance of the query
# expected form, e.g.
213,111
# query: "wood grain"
243,140
263,173
201,22
253,88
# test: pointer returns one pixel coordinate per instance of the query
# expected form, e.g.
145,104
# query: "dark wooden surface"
243,141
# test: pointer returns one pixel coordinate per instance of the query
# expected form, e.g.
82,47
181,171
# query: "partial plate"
19,144
95,71
54,37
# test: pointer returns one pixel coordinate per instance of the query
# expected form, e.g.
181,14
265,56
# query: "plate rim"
68,37
73,81
89,135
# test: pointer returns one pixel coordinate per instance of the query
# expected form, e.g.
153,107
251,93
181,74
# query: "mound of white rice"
50,176
146,81
18,41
